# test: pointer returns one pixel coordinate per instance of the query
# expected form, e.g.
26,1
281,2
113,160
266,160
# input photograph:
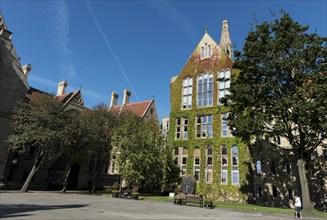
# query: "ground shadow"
23,210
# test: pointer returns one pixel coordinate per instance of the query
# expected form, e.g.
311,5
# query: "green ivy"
193,68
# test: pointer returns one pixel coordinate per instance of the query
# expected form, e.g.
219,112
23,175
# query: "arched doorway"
73,176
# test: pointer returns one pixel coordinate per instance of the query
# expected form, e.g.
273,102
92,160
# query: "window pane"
221,74
205,102
185,82
258,166
221,85
210,86
209,130
200,79
209,151
227,74
227,84
200,88
224,176
190,82
189,101
210,77
235,177
221,93
197,175
224,150
209,161
184,90
189,91
235,150
209,176
185,135
235,161
198,131
224,161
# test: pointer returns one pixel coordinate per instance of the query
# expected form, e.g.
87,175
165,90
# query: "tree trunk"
29,179
306,201
65,184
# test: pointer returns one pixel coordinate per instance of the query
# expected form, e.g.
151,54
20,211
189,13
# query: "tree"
75,139
36,124
101,127
137,150
282,80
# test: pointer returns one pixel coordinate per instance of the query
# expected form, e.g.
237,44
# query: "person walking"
298,207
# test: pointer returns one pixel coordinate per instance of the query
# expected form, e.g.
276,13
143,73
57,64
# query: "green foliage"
282,79
139,152
101,126
37,124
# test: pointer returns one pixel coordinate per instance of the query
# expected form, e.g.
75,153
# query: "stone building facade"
199,137
13,87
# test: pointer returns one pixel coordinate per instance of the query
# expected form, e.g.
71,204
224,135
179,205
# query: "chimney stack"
26,70
114,98
127,95
62,87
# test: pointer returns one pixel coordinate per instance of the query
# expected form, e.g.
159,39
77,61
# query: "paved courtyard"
52,205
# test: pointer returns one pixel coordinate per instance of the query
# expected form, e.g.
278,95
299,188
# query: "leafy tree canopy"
280,90
37,124
138,147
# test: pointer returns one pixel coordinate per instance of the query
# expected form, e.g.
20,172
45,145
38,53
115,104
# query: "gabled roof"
138,108
32,93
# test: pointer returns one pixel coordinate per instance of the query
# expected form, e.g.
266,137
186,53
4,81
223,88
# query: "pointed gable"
207,55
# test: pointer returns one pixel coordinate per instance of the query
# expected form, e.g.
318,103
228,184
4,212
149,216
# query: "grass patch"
245,207
157,198
253,208
315,212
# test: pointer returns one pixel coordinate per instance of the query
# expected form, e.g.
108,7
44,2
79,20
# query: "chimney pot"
114,98
127,95
62,87
26,70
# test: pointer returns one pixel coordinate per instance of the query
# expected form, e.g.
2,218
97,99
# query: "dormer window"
206,51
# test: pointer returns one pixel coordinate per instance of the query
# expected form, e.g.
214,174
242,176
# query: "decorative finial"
206,29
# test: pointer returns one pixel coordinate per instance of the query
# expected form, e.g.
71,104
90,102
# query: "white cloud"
60,20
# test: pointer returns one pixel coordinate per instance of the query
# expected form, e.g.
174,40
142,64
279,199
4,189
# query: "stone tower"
13,87
225,41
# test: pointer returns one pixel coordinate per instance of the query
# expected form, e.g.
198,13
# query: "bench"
191,199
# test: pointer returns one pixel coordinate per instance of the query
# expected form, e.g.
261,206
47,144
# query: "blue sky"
104,46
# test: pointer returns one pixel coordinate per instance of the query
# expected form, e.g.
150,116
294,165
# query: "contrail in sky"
111,50
60,20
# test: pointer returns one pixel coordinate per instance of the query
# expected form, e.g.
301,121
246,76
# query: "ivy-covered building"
199,136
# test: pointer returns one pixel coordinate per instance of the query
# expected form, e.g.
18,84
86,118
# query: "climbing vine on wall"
195,66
